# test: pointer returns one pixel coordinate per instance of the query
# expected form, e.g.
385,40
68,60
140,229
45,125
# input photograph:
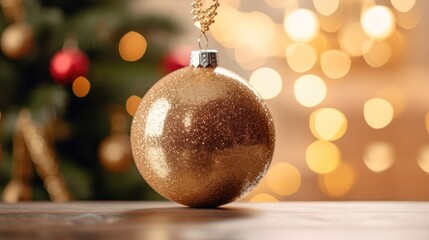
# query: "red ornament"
68,64
176,59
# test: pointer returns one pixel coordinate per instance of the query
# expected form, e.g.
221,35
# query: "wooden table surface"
162,221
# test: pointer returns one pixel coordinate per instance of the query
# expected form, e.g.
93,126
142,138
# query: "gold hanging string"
203,35
203,18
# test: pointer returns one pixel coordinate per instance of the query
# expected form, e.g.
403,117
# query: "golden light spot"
331,23
255,31
326,7
321,43
377,53
301,57
284,179
279,43
339,182
267,82
81,86
423,159
410,19
263,197
366,4
301,25
322,157
403,5
225,29
132,104
378,22
351,39
335,63
310,90
396,96
132,46
328,124
379,156
17,40
378,113
247,59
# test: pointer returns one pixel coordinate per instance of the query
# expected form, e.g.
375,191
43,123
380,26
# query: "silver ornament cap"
204,58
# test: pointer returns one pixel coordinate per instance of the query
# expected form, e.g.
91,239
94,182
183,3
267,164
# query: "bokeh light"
280,42
284,179
379,156
225,29
410,19
255,31
396,96
326,7
335,63
310,90
378,22
267,82
351,39
301,25
81,86
403,5
331,23
328,124
17,39
301,57
423,159
322,157
263,197
376,53
132,46
378,113
132,104
247,59
321,43
338,182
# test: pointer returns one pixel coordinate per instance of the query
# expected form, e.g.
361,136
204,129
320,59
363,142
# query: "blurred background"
346,82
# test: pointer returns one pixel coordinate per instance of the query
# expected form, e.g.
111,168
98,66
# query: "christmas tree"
60,61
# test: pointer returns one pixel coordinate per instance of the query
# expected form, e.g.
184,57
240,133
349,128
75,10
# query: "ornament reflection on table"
202,136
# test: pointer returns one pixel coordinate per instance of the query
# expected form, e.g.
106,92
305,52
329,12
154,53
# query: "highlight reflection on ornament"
202,136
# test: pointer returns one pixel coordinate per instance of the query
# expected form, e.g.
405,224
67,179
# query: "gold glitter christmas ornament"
202,136
17,40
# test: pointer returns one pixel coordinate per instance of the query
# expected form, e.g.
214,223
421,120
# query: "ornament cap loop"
204,58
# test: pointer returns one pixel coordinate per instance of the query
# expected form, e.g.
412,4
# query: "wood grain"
154,220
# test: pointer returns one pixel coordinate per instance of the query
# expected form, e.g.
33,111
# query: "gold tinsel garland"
31,145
